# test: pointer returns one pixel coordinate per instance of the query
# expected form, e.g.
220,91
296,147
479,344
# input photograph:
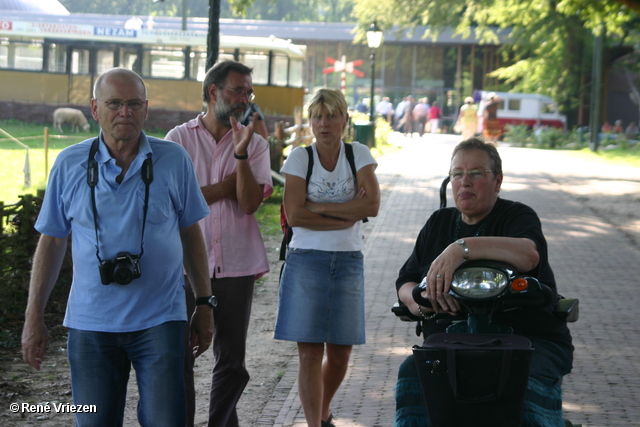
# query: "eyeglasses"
241,93
133,105
473,174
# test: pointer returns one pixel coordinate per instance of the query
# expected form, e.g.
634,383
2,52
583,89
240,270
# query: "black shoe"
327,423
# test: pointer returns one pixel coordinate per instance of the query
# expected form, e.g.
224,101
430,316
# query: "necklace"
456,232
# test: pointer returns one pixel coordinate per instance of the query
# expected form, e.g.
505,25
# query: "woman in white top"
321,297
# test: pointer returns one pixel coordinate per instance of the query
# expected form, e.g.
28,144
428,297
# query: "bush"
516,135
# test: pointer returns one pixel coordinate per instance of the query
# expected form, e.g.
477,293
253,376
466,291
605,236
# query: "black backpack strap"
286,238
348,151
310,167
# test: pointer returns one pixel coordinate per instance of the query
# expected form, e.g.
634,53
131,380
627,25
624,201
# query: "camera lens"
123,273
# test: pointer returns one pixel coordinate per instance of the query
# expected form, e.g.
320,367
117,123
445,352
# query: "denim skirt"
321,298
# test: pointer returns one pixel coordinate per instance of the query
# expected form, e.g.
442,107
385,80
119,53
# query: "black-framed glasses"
241,93
473,174
117,104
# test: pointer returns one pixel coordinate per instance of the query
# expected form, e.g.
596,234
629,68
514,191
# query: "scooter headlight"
480,282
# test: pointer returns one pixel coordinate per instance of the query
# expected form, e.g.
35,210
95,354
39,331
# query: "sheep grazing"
70,116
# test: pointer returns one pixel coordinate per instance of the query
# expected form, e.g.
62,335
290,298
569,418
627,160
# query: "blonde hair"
333,101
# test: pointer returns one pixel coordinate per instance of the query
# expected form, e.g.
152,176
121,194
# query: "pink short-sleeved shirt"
234,243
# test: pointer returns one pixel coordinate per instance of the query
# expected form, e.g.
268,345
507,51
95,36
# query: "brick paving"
592,260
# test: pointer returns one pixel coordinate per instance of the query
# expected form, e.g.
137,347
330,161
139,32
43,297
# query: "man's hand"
201,329
34,342
242,136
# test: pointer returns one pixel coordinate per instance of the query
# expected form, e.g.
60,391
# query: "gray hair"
217,75
476,143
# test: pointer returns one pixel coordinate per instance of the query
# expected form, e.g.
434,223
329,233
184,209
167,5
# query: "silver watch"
462,243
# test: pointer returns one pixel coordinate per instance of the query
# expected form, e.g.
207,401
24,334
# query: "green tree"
286,10
546,44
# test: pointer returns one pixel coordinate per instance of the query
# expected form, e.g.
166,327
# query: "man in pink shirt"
233,168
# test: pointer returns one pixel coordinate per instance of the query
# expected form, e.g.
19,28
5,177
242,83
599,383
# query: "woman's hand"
439,279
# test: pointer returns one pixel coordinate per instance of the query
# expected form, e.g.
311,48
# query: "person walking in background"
468,118
126,306
232,164
434,117
631,132
492,130
617,127
407,117
420,115
385,109
398,115
321,296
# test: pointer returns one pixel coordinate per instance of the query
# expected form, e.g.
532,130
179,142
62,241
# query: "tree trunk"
213,37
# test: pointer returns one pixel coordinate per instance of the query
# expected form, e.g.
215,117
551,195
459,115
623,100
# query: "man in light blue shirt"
132,205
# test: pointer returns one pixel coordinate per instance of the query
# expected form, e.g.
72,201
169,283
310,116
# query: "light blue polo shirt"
175,201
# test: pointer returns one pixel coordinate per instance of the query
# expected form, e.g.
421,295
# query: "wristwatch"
211,301
465,248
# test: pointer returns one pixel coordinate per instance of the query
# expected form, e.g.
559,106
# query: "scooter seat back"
474,379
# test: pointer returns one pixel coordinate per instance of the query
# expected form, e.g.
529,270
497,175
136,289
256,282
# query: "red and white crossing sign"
344,67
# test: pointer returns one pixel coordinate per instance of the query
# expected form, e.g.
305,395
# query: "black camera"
122,269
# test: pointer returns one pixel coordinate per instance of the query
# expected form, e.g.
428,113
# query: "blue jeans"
100,363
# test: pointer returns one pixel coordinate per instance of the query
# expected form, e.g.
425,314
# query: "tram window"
57,58
295,72
4,55
514,105
25,56
279,70
548,108
260,64
105,61
80,61
198,65
128,59
164,63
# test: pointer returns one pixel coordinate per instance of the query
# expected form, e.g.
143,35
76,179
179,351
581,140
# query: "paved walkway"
592,261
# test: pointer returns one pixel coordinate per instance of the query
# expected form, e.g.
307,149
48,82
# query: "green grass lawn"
13,155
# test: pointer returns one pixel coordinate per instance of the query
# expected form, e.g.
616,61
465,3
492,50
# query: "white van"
524,109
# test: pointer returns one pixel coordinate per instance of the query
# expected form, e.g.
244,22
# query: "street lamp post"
374,38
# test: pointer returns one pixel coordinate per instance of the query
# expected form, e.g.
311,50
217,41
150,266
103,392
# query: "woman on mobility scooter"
484,226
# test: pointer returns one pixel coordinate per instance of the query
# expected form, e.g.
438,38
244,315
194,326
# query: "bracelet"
245,157
424,315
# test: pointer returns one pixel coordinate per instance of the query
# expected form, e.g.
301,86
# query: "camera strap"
92,181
